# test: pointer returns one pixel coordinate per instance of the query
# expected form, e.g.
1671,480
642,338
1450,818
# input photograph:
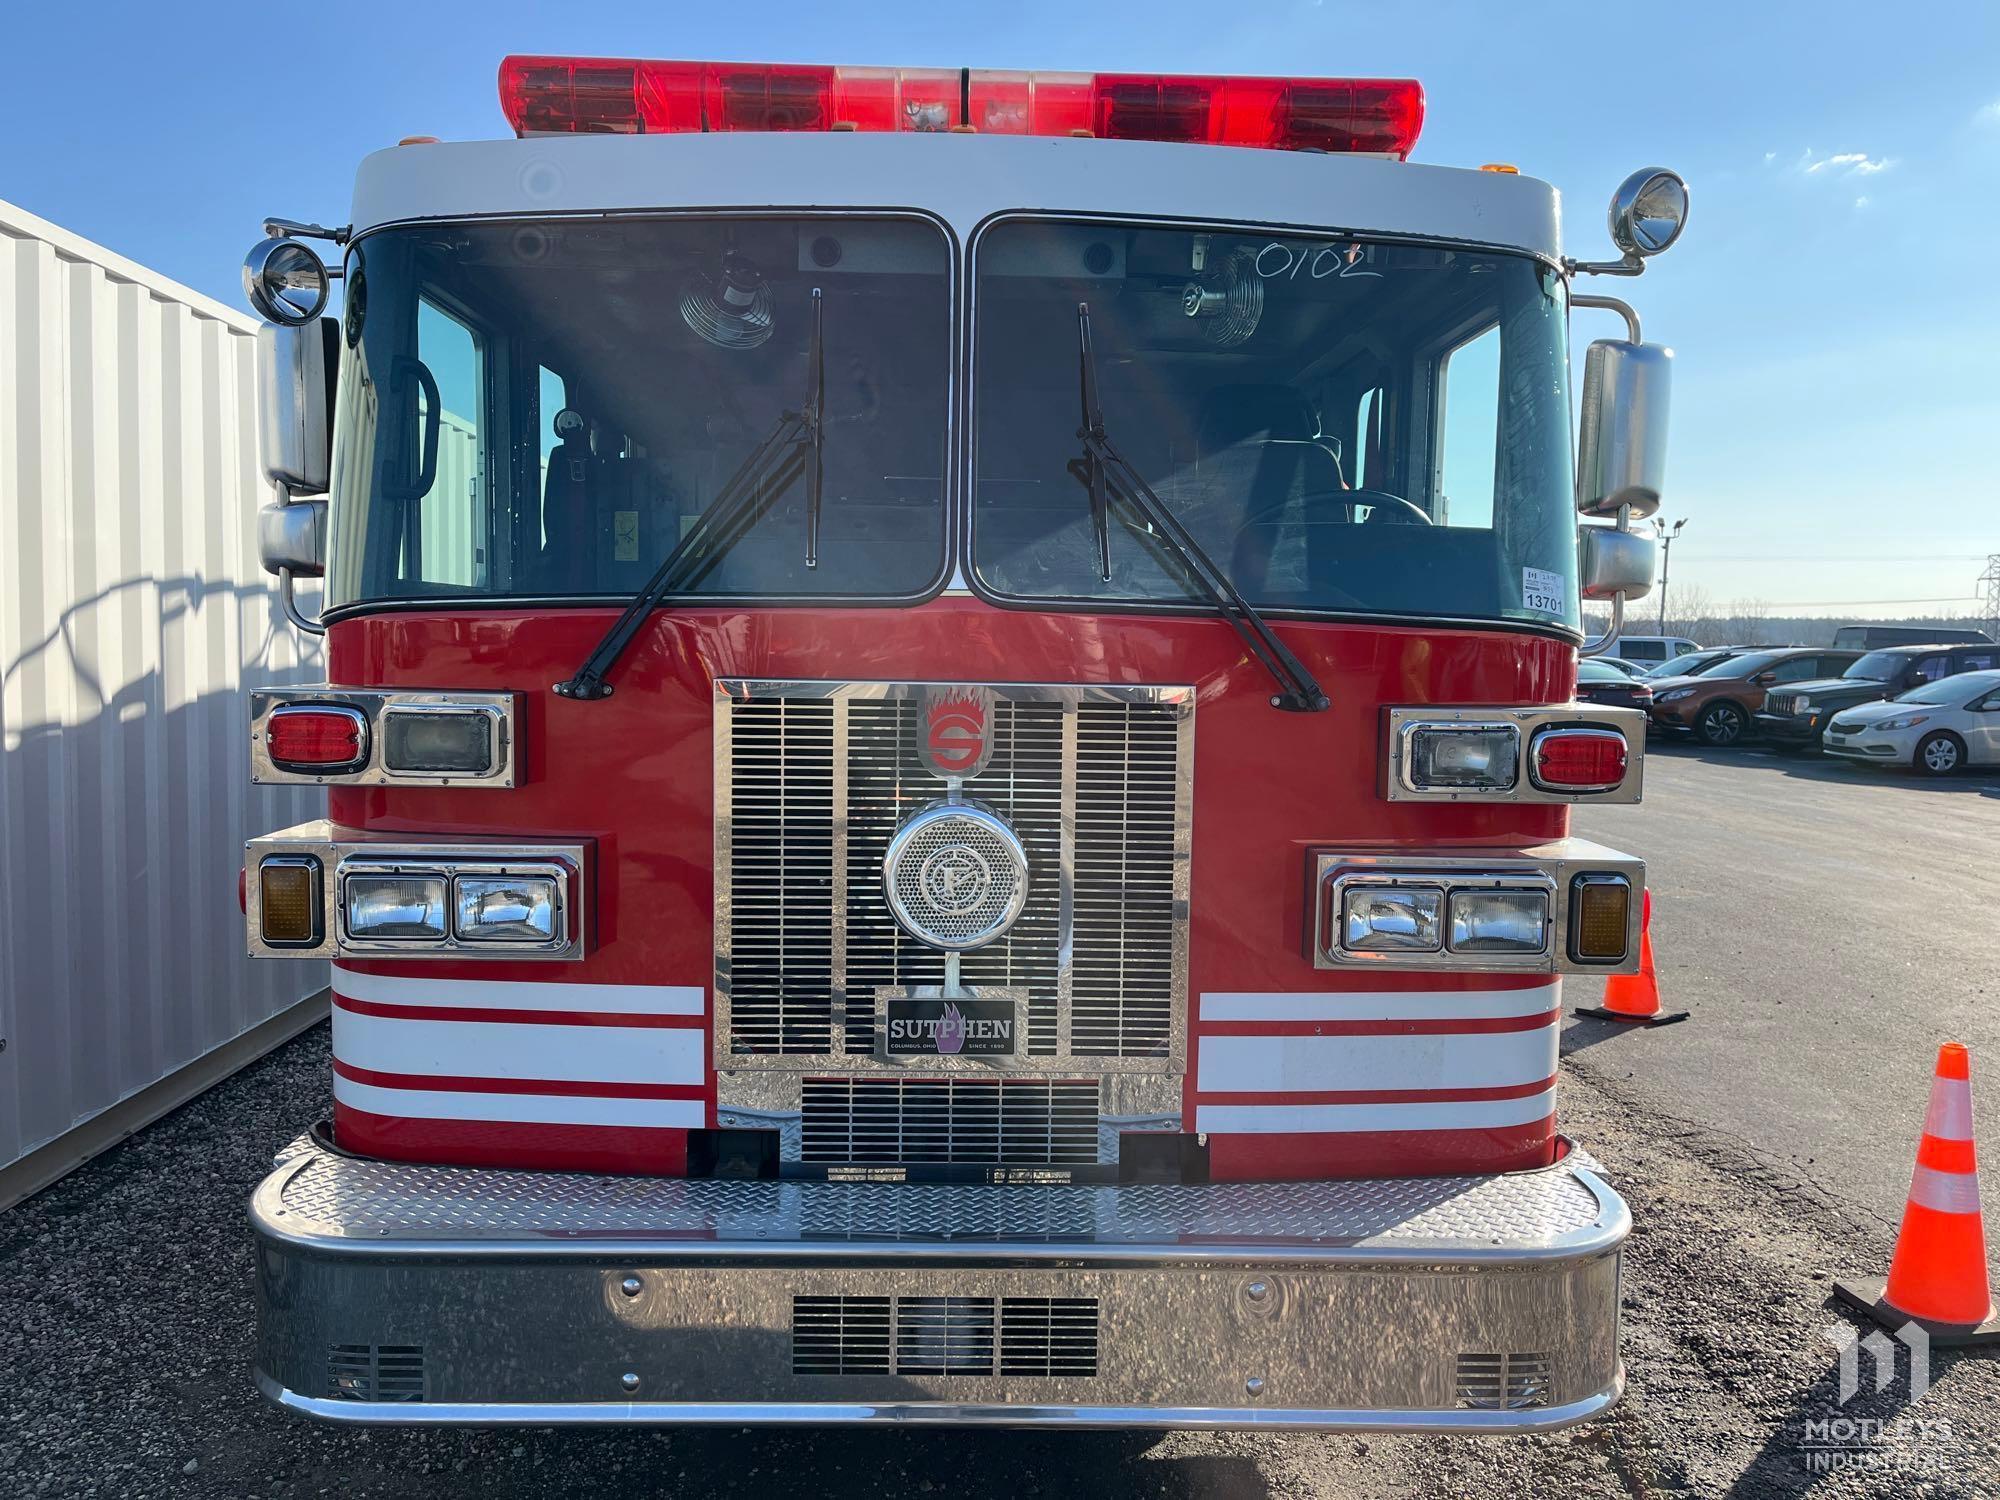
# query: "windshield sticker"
1542,591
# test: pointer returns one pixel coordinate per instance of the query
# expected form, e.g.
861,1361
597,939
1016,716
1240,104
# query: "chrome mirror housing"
291,536
295,378
286,281
1614,564
1649,211
1621,461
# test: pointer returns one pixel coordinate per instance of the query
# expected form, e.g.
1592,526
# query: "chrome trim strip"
332,847
1549,867
502,711
1402,722
932,1414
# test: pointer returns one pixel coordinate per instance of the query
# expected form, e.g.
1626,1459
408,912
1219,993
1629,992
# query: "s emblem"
958,731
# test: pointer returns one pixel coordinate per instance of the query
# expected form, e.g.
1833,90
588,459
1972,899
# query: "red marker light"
1578,760
322,739
575,95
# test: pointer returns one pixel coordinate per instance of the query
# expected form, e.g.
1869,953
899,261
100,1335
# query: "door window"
1930,668
1798,669
1471,397
452,511
1976,661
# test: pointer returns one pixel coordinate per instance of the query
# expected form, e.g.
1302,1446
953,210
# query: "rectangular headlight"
1473,757
1499,921
505,908
409,907
1391,919
438,742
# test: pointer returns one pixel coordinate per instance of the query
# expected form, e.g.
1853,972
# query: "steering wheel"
1386,509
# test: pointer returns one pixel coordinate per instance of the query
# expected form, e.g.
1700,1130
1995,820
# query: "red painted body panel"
635,772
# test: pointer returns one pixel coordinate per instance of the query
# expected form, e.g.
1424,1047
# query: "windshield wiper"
1105,472
793,445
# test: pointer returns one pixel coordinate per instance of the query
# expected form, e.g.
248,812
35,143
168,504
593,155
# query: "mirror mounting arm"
1624,310
1628,265
295,229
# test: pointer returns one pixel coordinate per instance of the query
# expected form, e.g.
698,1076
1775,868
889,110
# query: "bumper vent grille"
840,1335
375,1372
815,787
905,1118
1503,1381
1034,1336
1048,1336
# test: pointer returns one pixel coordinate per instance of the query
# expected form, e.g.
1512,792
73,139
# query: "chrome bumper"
431,1295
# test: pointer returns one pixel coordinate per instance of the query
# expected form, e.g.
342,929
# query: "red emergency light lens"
580,95
323,740
1578,760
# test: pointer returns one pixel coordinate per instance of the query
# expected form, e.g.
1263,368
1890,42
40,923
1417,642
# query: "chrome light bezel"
1404,723
350,871
1542,737
344,852
516,871
1545,869
1347,888
363,737
502,712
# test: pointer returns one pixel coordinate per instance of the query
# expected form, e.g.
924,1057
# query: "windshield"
545,409
1342,426
1879,666
1598,671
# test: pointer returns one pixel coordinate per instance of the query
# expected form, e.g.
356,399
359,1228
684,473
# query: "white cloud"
1769,157
1989,114
1862,201
1843,163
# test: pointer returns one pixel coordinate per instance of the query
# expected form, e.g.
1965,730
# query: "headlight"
1499,921
1669,697
1391,919
1484,757
1903,721
394,906
507,908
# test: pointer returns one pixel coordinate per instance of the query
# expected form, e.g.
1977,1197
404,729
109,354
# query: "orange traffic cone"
1937,1277
1635,998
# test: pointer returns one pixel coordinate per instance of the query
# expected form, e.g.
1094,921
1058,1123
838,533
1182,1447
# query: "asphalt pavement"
1827,926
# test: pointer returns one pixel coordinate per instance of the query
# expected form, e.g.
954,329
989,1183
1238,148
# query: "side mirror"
296,367
1621,461
1765,679
1649,211
1614,564
291,536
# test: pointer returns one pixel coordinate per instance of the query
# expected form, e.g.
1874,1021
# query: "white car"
1934,729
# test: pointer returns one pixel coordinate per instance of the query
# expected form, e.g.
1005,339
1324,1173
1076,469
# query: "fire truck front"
949,751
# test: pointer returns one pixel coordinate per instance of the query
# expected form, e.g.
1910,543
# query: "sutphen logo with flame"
958,737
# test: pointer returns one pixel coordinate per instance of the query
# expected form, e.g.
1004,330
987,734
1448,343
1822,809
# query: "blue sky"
1834,304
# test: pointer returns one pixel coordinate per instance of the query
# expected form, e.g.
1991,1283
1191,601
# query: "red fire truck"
949,746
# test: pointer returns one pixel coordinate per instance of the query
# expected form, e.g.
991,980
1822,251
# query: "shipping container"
134,621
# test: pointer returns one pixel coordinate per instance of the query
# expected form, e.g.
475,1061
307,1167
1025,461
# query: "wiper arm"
1106,472
792,445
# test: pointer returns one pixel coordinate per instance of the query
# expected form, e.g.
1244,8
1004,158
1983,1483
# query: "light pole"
1666,556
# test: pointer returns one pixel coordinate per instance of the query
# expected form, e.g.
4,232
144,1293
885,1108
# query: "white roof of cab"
961,178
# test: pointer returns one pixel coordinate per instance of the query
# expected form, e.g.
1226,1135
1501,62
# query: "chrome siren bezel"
900,844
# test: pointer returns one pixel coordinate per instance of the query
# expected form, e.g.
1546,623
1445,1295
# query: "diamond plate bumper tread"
320,1196
406,1294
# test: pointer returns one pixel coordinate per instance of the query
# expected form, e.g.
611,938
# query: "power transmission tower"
1990,607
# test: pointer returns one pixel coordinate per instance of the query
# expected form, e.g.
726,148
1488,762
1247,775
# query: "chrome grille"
1034,1336
949,1118
1503,1381
375,1372
813,779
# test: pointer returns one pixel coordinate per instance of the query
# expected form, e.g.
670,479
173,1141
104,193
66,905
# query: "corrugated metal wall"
133,619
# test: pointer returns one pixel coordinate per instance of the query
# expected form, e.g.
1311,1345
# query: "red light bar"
582,95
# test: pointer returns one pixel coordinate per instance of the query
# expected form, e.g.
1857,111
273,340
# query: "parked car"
1629,668
1689,663
1649,650
1719,704
1598,681
1934,729
1869,637
1800,714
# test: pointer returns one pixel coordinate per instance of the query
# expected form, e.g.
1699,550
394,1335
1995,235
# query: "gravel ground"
126,1337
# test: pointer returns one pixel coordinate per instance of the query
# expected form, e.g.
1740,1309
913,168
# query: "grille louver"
914,1118
1035,1337
1503,1381
375,1372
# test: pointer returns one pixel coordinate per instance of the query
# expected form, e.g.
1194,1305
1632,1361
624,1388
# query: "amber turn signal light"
1600,912
288,897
